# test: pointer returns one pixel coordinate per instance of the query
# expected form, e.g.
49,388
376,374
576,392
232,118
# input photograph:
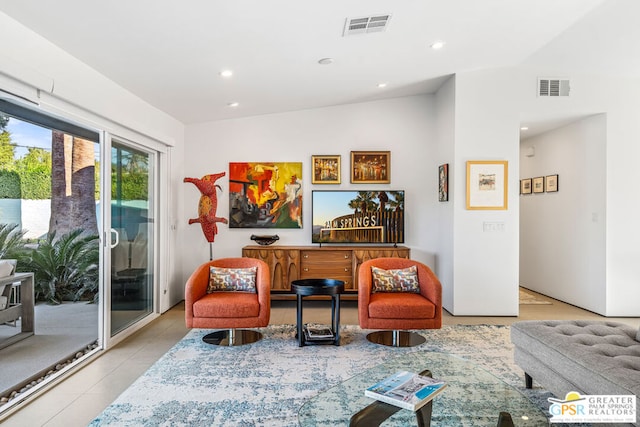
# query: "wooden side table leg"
378,412
423,415
373,415
505,420
28,303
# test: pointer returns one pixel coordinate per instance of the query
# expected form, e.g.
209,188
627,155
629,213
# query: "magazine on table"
318,332
407,390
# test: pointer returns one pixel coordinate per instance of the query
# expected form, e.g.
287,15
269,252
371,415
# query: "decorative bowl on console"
265,240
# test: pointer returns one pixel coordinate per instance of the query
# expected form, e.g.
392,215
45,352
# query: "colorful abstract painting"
265,195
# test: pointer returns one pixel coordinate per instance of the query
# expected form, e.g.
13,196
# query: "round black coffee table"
310,287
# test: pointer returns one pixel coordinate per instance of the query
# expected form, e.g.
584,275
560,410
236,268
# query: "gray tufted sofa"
590,357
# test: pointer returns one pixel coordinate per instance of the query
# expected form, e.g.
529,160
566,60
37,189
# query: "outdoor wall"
405,126
562,234
35,217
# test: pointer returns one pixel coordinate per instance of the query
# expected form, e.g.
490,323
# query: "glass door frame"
159,205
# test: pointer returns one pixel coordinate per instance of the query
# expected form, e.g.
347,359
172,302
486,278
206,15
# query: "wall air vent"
553,87
367,24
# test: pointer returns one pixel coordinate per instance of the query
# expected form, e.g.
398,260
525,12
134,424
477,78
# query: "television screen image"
347,216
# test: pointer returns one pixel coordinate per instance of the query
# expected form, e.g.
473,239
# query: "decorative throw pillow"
232,279
638,335
400,280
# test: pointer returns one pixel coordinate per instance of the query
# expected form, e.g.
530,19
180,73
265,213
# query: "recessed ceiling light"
382,85
233,104
226,73
524,128
437,45
325,61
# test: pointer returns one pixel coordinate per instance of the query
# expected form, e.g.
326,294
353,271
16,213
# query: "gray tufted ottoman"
590,357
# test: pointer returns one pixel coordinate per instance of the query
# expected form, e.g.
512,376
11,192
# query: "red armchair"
397,312
228,310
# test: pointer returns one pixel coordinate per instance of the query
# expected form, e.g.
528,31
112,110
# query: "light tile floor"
81,397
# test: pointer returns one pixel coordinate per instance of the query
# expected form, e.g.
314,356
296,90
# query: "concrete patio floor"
60,331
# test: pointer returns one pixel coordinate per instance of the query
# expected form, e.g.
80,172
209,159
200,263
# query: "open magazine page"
406,389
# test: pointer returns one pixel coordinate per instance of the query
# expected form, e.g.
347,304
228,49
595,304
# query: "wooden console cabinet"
288,263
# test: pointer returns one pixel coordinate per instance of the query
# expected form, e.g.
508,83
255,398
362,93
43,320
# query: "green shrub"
36,184
11,241
66,269
10,185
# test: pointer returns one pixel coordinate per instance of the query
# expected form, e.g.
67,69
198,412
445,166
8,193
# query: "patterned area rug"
527,297
266,383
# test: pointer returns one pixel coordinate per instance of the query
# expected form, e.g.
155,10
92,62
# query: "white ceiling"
170,53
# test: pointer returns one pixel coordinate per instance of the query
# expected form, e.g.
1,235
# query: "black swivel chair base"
232,337
396,338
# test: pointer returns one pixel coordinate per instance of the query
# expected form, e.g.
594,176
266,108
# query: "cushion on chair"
400,280
400,306
232,279
227,305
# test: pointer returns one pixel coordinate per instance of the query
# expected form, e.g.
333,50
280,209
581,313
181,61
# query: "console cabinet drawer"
288,263
326,264
323,257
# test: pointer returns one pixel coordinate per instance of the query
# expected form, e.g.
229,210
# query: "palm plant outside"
11,241
65,269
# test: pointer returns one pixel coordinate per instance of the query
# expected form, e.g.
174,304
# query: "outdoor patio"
60,332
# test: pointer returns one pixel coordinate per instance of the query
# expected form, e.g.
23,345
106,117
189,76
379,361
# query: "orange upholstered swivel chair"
228,310
398,312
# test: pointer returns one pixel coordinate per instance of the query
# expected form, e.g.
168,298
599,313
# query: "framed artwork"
525,186
443,182
370,167
487,184
325,169
265,195
551,183
538,184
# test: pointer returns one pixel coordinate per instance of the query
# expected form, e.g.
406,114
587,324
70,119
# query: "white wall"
34,68
619,98
405,126
562,234
445,121
485,264
89,95
487,106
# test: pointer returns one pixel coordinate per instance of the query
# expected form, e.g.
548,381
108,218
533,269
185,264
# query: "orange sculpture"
208,204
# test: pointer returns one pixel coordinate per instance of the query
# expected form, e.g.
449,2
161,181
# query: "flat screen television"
348,216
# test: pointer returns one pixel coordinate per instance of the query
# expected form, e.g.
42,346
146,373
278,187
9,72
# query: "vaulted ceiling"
171,53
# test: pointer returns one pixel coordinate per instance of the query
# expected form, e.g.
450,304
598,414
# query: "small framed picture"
538,184
325,169
443,182
551,183
370,167
525,186
487,184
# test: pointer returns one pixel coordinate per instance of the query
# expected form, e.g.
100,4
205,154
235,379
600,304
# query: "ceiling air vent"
553,87
368,24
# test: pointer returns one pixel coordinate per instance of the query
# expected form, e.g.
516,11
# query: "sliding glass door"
132,235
